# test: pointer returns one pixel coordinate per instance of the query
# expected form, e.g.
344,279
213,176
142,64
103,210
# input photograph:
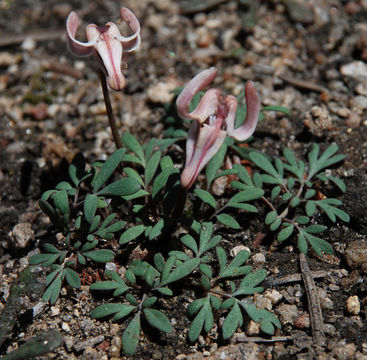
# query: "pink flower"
106,43
213,119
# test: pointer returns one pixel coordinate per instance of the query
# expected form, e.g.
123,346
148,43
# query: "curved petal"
110,53
207,106
253,110
202,144
199,82
76,47
132,42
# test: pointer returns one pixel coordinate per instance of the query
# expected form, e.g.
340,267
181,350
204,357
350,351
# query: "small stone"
287,313
65,327
28,44
258,258
360,101
52,110
318,120
356,254
325,301
233,252
329,329
344,351
55,311
302,321
110,266
262,302
273,295
353,305
355,69
7,59
116,344
21,235
162,92
219,185
253,328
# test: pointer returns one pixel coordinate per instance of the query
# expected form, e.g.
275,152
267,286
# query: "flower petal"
132,42
110,52
207,106
199,82
253,109
76,47
202,144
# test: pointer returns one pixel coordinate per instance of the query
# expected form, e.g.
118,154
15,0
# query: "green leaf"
249,283
190,242
206,270
100,255
302,243
52,292
331,211
77,168
266,319
140,193
158,320
157,229
151,167
270,217
320,246
214,164
149,302
130,337
275,192
47,208
206,197
285,233
165,291
235,268
310,208
244,206
90,207
233,320
264,164
107,169
295,201
109,309
159,261
277,108
52,249
338,182
131,143
181,271
160,181
61,201
122,187
276,223
46,259
72,278
132,173
251,193
302,220
229,221
203,318
315,229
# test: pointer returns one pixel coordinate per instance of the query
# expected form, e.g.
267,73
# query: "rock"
287,313
233,252
355,69
21,235
28,44
343,351
353,305
253,328
302,321
162,92
356,254
273,295
318,120
258,258
7,59
299,11
262,302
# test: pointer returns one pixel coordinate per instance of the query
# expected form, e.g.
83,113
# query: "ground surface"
309,56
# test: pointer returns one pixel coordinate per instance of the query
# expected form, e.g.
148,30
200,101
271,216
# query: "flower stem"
111,118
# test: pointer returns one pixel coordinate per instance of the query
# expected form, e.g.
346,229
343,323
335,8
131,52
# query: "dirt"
308,56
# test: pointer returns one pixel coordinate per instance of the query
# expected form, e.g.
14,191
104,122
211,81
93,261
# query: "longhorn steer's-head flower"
106,43
213,119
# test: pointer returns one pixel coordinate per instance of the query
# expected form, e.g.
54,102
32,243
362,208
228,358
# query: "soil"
308,56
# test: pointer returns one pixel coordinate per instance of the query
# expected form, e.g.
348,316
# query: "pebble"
28,44
356,255
258,258
116,344
273,295
8,59
161,92
353,305
287,313
233,252
329,329
253,328
262,302
343,351
355,69
65,327
219,185
55,311
325,301
302,321
21,235
360,101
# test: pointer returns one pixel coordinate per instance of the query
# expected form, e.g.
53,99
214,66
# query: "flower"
106,43
213,119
